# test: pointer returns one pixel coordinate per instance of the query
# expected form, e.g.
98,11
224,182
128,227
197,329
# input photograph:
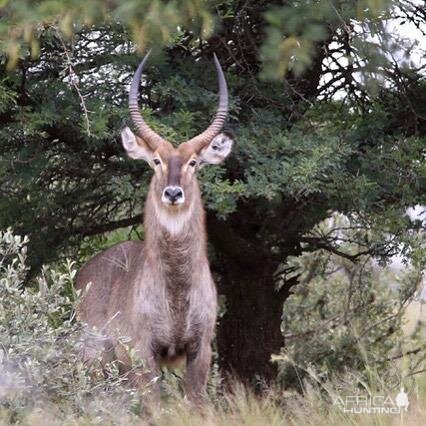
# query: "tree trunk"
250,330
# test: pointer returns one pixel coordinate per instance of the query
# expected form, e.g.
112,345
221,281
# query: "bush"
346,319
40,343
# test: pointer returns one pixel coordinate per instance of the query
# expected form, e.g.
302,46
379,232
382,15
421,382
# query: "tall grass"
241,407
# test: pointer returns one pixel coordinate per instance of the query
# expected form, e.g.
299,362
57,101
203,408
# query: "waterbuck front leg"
147,380
198,359
144,378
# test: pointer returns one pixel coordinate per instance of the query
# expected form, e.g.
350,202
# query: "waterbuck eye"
192,163
156,161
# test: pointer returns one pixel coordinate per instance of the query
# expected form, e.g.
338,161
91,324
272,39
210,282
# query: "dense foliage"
345,317
326,119
40,344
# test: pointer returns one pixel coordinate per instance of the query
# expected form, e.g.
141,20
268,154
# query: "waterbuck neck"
175,241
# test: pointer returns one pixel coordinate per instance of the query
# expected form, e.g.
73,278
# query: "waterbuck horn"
197,143
145,132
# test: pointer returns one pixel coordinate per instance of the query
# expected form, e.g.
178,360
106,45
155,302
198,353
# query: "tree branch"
111,226
318,243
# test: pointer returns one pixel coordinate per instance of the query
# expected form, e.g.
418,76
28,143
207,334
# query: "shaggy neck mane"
175,241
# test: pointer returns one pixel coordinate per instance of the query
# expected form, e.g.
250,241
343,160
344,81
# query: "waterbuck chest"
186,307
177,297
180,266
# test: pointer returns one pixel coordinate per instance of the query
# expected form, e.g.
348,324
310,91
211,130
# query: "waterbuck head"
174,183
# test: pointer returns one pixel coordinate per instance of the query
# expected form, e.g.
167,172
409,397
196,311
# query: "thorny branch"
73,79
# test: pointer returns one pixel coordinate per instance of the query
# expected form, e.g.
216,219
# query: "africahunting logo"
374,404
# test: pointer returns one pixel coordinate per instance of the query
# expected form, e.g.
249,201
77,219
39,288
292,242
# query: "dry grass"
280,409
241,407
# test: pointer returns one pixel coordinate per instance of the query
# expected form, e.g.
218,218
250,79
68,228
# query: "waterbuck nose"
173,194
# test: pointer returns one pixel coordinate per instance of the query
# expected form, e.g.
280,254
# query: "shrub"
346,319
40,343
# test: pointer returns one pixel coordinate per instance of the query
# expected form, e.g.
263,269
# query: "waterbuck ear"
136,149
217,150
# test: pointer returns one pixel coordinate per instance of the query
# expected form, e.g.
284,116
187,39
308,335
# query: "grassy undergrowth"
239,407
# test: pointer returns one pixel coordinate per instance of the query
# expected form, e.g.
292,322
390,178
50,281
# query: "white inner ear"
216,152
133,149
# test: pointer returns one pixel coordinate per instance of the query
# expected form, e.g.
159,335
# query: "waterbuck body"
160,293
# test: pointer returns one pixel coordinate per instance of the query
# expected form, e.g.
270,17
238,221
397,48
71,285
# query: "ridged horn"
145,132
199,142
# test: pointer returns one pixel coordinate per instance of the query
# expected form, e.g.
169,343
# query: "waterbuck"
160,293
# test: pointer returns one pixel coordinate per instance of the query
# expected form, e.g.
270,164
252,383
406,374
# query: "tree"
346,320
325,120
